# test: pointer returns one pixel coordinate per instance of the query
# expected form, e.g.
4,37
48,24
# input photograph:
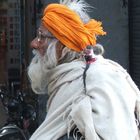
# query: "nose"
34,43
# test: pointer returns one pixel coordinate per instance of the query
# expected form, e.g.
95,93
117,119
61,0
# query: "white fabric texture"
105,112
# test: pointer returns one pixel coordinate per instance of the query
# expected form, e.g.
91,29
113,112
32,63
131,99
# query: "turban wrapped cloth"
67,27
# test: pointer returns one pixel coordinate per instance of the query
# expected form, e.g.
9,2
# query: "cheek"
42,47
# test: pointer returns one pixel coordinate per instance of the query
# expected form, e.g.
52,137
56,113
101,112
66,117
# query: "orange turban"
67,27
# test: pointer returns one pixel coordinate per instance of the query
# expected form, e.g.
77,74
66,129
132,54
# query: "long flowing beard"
38,74
39,67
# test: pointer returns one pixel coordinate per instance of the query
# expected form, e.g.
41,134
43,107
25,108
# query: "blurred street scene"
19,20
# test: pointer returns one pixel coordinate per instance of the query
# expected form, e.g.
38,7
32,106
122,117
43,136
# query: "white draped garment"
104,112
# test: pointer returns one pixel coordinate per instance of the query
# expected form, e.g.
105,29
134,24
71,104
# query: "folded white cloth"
105,112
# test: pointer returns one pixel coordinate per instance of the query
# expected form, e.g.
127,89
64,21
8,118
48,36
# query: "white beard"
38,74
39,67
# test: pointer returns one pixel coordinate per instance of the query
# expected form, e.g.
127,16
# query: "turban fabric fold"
67,27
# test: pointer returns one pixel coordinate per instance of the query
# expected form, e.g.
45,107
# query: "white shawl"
105,112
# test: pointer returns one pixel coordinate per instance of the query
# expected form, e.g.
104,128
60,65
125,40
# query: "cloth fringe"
70,122
137,112
82,124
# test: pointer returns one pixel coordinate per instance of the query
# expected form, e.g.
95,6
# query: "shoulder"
105,69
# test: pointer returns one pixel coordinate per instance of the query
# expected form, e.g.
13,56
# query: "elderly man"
90,97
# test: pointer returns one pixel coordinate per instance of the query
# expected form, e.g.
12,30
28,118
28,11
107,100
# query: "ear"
59,48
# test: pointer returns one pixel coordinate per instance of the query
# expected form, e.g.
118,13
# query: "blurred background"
19,20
